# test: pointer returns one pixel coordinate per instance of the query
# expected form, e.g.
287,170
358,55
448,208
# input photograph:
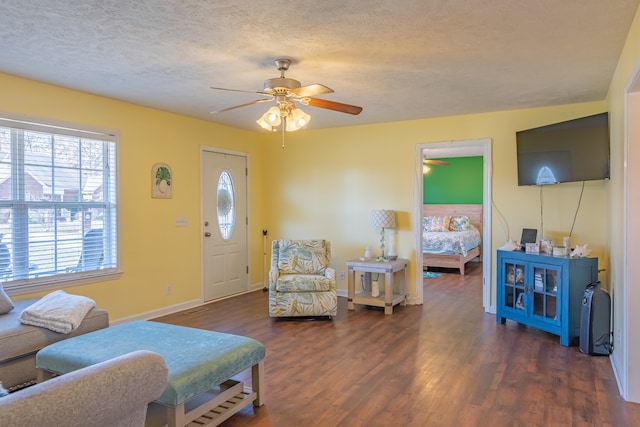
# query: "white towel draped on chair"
57,311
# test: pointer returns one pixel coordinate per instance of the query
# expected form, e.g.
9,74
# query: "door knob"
207,234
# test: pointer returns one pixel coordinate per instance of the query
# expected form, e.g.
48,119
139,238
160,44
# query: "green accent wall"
460,182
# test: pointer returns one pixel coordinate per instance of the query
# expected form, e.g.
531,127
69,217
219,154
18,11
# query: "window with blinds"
57,205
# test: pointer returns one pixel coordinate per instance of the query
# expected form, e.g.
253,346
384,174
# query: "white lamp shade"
272,116
263,124
297,119
383,218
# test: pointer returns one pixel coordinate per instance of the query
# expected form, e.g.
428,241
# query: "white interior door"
225,263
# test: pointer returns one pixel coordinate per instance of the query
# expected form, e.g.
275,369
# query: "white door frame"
204,149
629,378
474,147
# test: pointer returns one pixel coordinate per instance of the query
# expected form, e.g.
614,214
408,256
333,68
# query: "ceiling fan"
286,92
434,162
427,162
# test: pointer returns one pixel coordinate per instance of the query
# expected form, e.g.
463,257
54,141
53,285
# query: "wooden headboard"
474,212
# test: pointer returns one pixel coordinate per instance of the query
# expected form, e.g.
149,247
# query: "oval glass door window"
225,205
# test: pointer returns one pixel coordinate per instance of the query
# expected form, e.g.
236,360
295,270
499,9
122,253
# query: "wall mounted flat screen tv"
575,150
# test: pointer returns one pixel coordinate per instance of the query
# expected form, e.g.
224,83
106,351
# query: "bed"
450,249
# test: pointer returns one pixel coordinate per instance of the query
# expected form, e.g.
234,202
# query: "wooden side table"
387,298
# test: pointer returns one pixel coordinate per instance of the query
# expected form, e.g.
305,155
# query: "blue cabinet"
544,291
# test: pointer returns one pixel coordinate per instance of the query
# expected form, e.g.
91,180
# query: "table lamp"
383,218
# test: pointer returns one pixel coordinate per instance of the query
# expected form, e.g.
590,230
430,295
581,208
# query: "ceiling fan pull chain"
284,125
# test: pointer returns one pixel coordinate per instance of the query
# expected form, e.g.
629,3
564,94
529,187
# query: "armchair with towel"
301,282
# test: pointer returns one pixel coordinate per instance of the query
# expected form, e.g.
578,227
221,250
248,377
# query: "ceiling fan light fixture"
270,119
300,117
297,119
291,126
272,116
263,124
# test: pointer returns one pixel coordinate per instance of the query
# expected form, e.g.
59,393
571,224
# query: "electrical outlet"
168,290
341,275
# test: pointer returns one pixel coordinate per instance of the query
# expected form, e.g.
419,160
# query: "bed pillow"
459,223
437,223
5,302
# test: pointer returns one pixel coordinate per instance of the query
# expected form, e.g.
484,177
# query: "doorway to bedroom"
459,182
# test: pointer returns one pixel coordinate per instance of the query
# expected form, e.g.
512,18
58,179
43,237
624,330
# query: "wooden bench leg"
257,382
43,375
176,416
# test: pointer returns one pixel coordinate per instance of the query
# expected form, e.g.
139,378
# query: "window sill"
52,283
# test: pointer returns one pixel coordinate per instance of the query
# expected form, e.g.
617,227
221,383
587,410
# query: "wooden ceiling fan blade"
435,162
332,105
311,90
246,104
238,90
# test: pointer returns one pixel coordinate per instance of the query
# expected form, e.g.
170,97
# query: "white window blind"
57,204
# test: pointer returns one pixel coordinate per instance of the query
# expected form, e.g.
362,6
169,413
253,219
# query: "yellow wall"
326,182
323,184
626,339
154,252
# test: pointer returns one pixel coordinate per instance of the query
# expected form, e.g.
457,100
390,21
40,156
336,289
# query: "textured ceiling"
399,60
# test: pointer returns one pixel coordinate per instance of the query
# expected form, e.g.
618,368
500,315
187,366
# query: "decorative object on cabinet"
509,245
580,251
546,246
532,248
383,218
559,251
529,235
544,291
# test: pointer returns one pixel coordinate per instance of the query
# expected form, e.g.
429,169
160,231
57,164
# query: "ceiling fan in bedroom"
286,93
427,162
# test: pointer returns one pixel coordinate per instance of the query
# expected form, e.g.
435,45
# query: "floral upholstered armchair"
301,283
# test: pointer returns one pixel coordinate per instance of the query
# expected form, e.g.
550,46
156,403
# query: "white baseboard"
164,311
159,312
617,372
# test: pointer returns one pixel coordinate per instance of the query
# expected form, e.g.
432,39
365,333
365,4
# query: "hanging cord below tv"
577,209
541,213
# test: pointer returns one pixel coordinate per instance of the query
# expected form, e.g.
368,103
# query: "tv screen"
575,150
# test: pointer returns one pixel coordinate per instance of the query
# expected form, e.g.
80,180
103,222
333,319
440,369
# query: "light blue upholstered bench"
201,364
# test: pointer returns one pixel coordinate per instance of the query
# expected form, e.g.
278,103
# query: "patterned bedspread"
451,242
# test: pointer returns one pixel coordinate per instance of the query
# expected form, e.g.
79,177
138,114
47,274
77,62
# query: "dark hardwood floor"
444,363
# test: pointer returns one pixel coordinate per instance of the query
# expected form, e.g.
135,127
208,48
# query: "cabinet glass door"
545,292
514,289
